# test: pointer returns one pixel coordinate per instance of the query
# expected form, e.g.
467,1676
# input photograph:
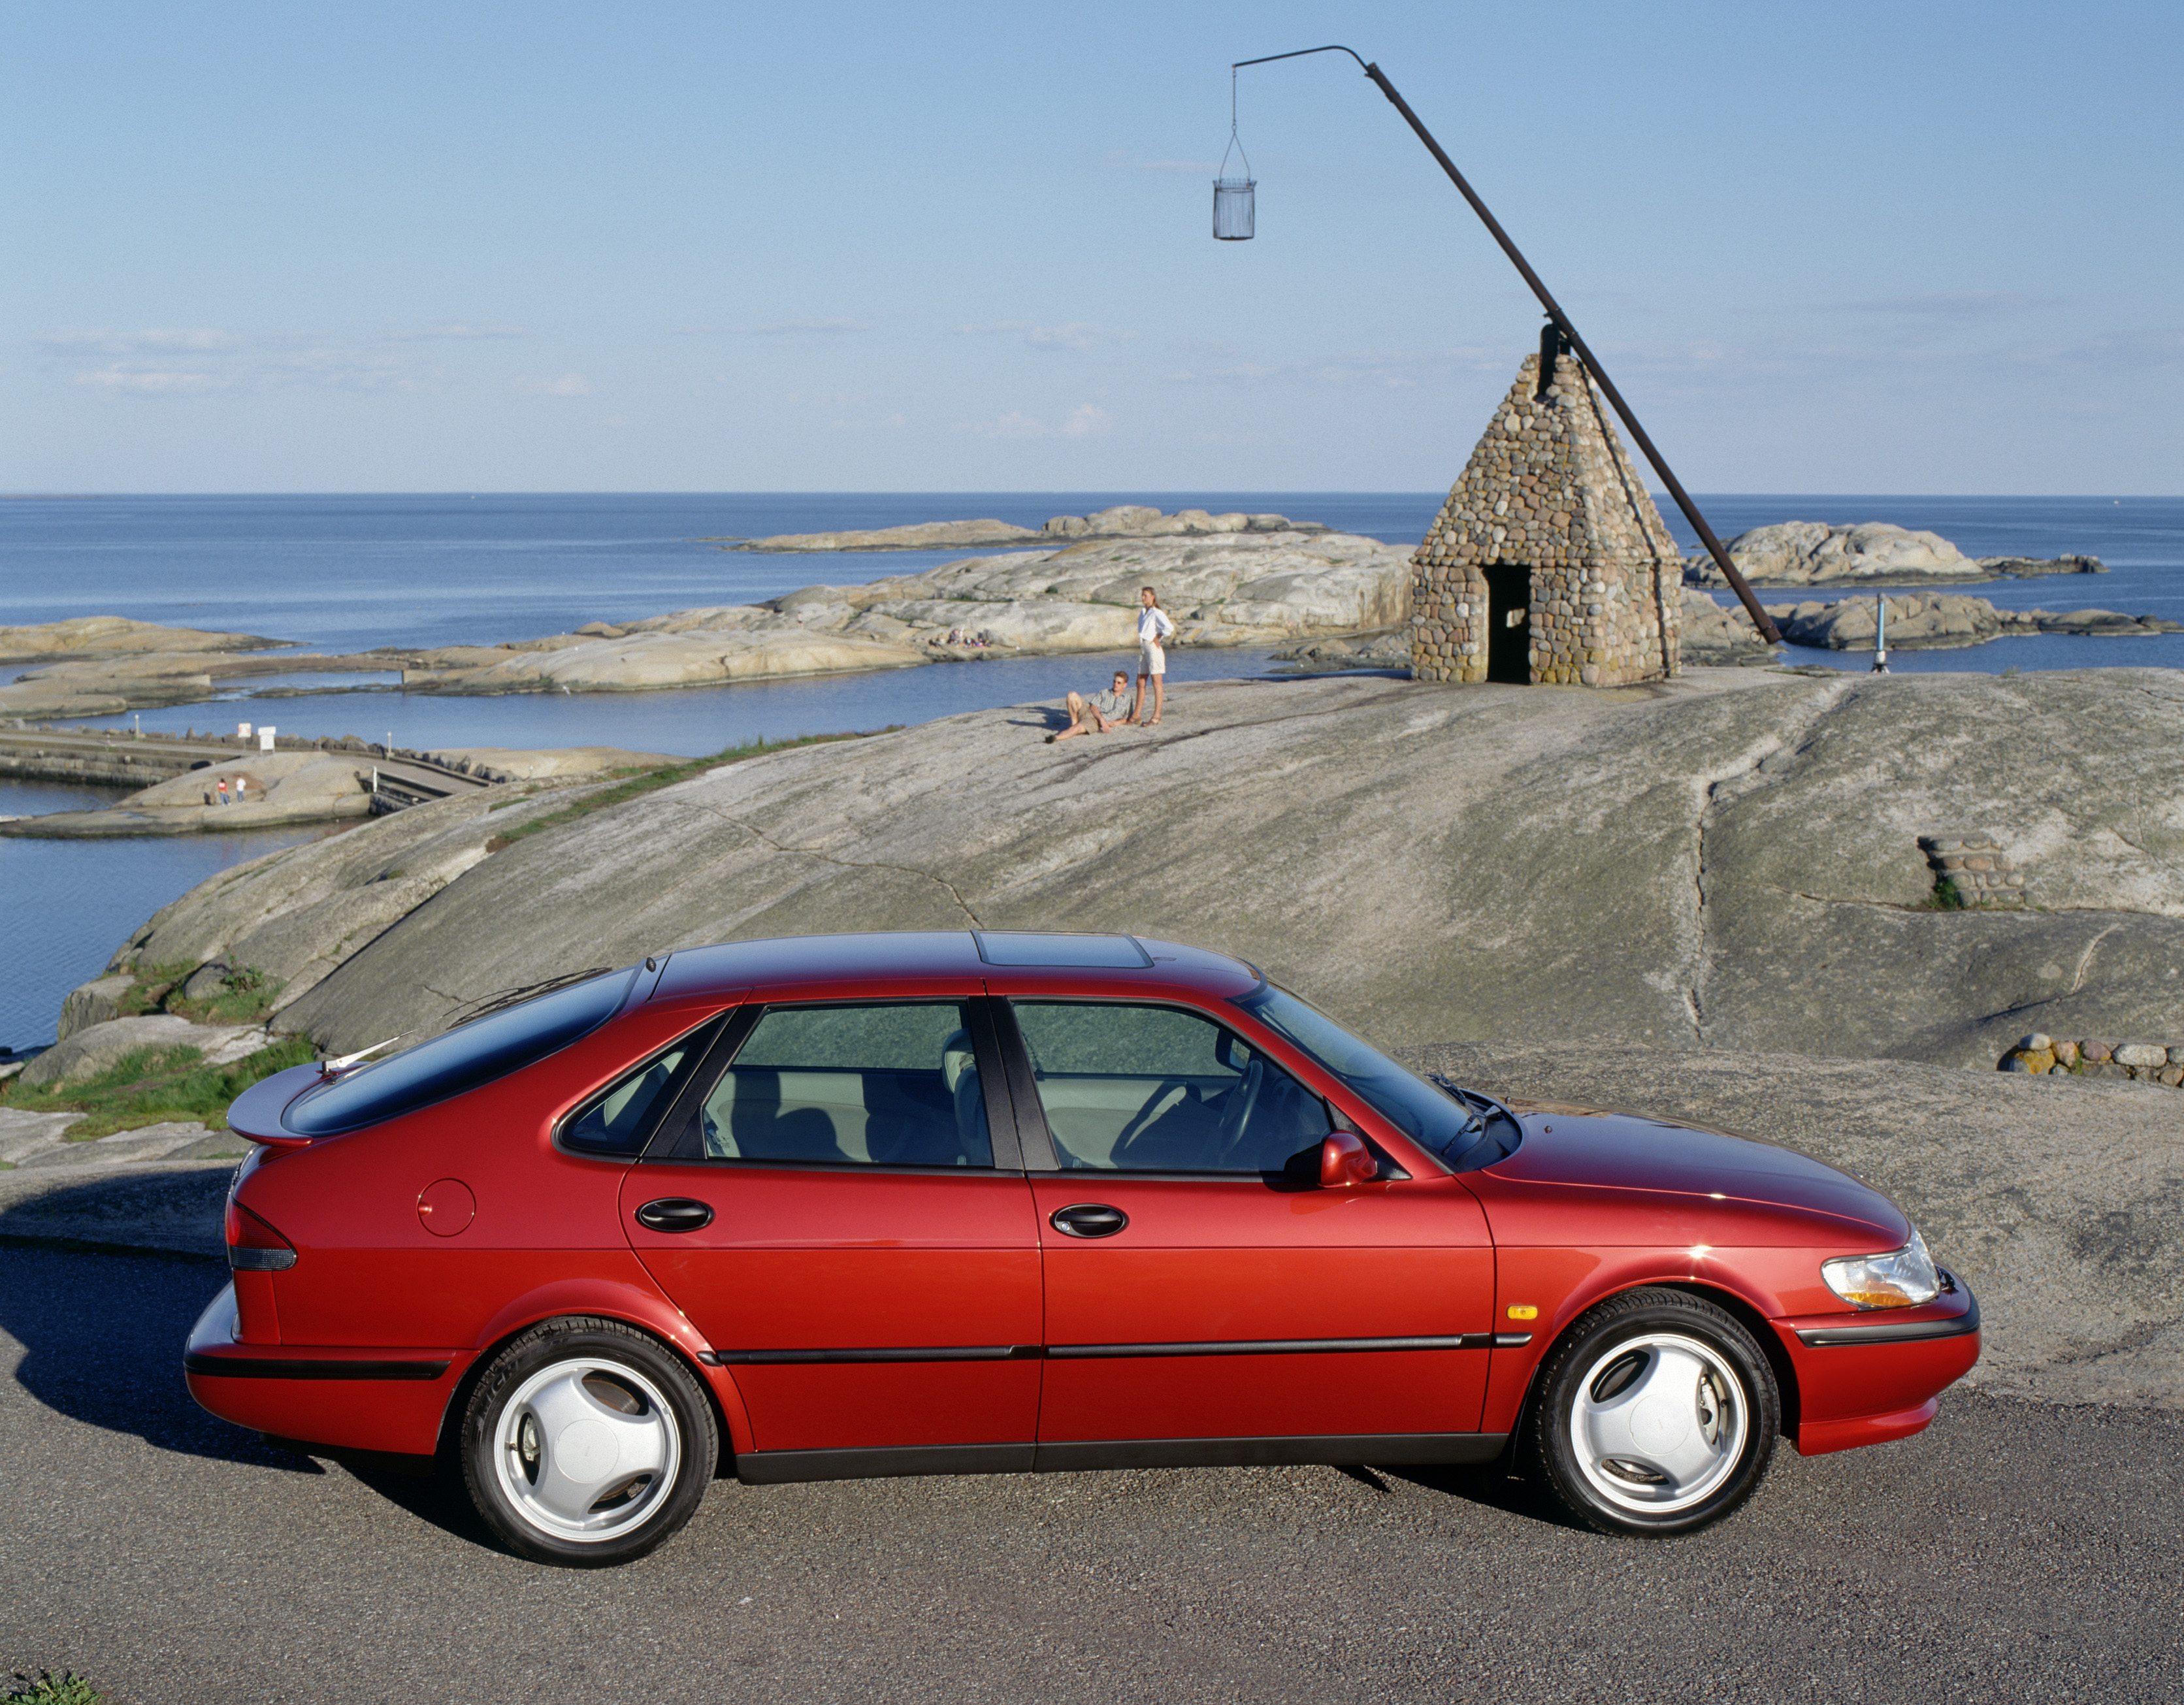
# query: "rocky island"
1805,553
1124,521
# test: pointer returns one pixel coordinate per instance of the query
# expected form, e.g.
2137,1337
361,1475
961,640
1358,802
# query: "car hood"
1616,1151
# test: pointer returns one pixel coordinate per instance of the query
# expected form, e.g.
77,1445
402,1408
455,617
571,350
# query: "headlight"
1902,1278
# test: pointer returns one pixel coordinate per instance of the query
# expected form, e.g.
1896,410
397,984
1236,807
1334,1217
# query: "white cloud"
1085,420
1951,304
159,361
141,380
804,328
72,341
460,331
1075,334
1396,370
568,385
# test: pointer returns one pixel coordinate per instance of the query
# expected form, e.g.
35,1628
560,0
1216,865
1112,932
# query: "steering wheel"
1243,1100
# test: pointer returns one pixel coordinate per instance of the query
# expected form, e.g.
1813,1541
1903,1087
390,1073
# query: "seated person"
1101,712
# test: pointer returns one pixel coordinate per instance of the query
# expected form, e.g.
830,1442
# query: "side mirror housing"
1345,1160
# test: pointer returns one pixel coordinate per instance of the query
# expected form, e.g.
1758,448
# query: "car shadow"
1492,1486
102,1335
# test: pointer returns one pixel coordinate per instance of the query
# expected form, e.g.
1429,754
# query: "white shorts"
1151,658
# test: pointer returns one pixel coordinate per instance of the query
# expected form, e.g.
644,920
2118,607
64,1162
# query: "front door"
1201,1284
1509,623
869,1271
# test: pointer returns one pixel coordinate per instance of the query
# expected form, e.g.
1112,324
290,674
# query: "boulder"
94,1002
87,1052
1712,633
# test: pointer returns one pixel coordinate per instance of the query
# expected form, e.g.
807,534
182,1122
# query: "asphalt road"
2013,1551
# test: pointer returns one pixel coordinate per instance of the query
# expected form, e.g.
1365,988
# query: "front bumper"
1867,1377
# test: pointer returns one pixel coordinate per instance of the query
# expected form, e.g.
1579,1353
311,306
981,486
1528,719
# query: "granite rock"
1730,860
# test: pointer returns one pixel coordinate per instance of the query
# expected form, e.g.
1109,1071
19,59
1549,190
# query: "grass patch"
644,781
67,1688
245,996
151,1086
1946,896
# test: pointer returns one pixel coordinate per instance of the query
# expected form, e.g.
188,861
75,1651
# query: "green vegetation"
1946,896
154,1086
68,1688
642,782
246,996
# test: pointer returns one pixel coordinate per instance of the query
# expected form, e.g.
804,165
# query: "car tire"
586,1443
1656,1413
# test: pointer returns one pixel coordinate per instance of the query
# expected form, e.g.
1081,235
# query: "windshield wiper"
1474,1116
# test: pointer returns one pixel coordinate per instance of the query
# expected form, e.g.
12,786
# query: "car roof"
1005,959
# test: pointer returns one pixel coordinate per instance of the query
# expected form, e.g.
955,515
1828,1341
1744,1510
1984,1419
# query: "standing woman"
1154,626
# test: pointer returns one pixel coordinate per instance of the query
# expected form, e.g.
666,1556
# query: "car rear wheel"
586,1442
1657,1414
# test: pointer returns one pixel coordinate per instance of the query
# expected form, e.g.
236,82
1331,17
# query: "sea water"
346,573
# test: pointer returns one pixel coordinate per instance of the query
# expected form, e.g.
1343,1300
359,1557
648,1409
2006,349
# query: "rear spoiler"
256,1113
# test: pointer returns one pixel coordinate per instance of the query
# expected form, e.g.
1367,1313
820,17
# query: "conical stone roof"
1550,487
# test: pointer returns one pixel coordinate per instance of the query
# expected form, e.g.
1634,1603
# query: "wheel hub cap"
1658,1423
588,1450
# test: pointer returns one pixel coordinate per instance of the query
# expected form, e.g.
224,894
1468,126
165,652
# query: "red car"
984,1201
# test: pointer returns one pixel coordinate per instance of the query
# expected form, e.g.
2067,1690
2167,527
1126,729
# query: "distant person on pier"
1154,627
1098,714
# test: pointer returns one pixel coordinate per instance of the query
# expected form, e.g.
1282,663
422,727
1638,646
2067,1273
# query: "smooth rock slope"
1730,860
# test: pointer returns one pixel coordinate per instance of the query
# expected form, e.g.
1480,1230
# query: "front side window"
1155,1089
872,1084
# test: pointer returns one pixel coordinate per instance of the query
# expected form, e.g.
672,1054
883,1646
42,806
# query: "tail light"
252,1245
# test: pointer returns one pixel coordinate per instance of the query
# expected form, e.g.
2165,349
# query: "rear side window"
458,1059
617,1120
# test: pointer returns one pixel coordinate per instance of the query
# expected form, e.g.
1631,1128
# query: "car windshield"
503,1040
1465,1131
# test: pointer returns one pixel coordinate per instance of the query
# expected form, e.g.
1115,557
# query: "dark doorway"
1509,622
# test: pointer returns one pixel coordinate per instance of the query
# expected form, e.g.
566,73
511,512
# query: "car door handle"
675,1213
1088,1219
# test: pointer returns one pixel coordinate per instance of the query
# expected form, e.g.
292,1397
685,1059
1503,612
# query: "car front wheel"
586,1443
1657,1414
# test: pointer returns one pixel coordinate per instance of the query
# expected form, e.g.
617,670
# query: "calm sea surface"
349,573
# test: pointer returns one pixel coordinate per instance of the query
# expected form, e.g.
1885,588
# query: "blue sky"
1849,247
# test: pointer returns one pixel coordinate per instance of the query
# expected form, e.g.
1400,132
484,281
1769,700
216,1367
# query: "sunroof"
1086,952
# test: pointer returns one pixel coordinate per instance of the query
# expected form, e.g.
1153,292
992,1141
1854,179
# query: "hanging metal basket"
1233,209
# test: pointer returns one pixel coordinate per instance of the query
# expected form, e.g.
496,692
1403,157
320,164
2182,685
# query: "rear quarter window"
458,1059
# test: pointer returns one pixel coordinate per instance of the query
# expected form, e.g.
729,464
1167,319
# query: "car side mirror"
1345,1160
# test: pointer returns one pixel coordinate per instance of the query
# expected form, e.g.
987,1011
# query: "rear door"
842,1213
1201,1286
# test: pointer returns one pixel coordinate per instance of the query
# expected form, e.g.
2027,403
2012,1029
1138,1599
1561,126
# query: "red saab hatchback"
984,1201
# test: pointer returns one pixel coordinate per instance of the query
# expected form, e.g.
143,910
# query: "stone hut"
1549,562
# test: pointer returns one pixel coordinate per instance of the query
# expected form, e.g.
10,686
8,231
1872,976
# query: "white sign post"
265,738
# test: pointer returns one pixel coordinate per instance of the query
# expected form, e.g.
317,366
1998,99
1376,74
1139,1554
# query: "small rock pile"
2145,1062
1976,866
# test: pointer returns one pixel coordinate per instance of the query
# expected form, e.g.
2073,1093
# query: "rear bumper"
1866,1378
375,1399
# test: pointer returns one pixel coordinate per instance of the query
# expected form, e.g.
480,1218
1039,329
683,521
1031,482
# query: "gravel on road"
2014,1550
